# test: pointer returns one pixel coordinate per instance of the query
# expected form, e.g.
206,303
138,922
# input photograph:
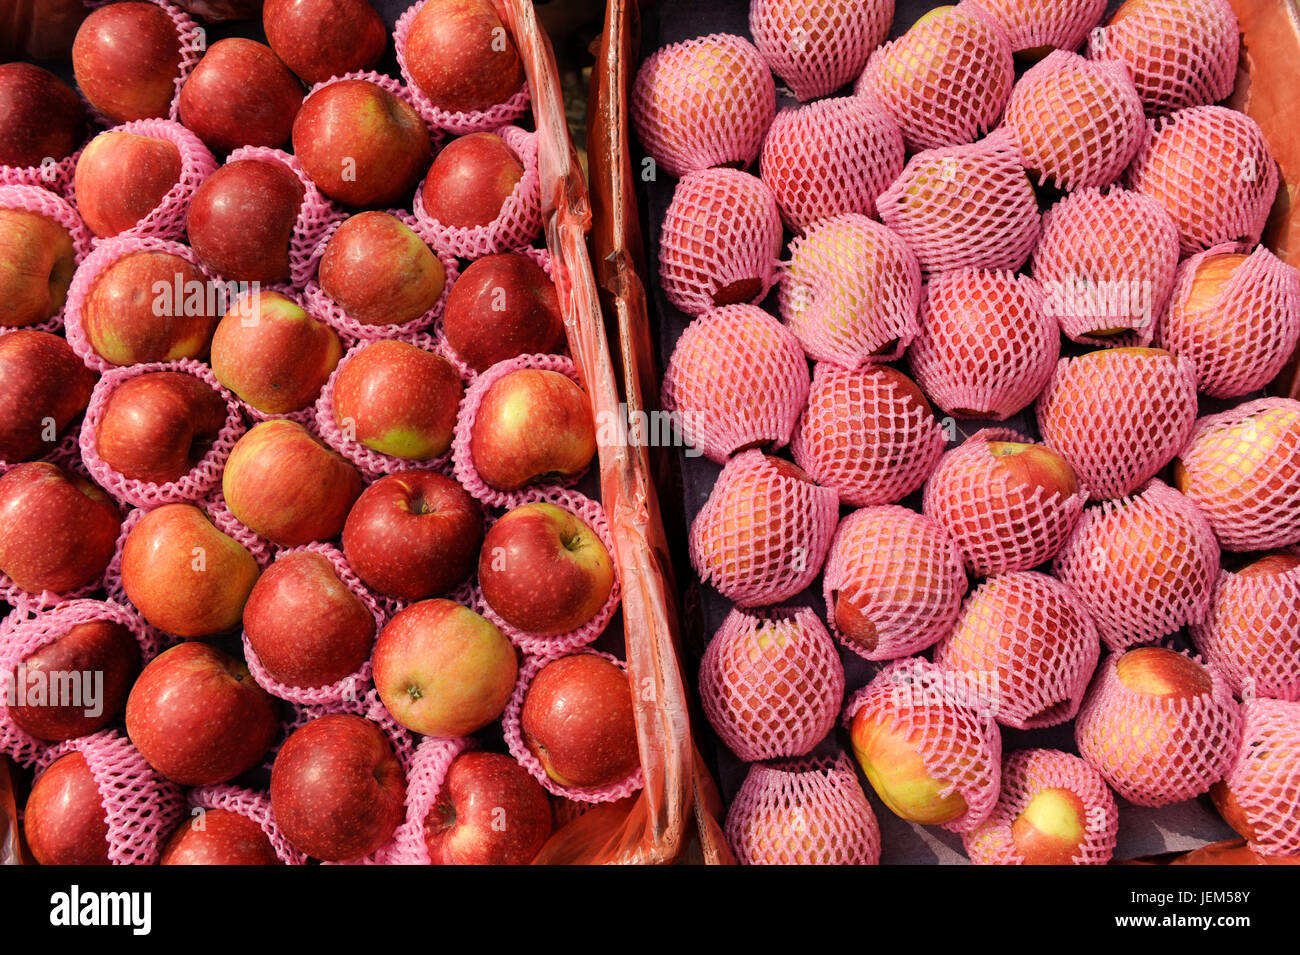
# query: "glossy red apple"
43,388
127,58
461,56
241,219
318,39
40,116
240,94
490,811
503,306
470,180
121,178
158,426
64,821
219,837
379,271
37,259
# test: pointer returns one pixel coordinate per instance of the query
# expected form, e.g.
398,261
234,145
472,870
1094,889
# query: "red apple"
184,575
43,388
544,570
158,426
65,822
470,181
318,39
1156,671
1051,829
219,837
307,628
127,58
379,271
241,219
285,485
442,670
578,720
121,178
197,717
461,56
503,306
40,116
37,259
57,530
240,94
413,535
532,426
490,811
337,790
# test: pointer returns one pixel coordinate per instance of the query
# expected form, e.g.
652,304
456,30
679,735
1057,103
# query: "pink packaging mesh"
1143,566
869,434
51,175
1030,637
456,122
763,534
1242,468
803,812
1212,170
771,682
462,460
1157,750
514,736
25,631
1265,777
1078,123
720,412
985,345
850,291
1027,773
1251,633
251,805
1181,52
899,571
214,505
591,513
1118,417
195,485
167,219
322,305
517,224
142,808
424,778
968,206
1242,334
999,523
949,722
720,242
703,102
830,157
1106,264
816,46
1039,24
43,202
946,80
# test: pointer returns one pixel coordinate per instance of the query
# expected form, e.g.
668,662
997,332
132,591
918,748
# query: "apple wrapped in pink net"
771,682
1036,27
817,46
43,202
251,805
803,812
1263,785
52,175
424,780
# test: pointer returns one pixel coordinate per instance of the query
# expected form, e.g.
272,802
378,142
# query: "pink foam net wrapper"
1243,334
1143,567
1251,633
1029,635
52,175
1157,750
254,806
167,219
946,80
1078,123
720,412
1242,468
1212,170
512,729
703,102
1106,264
865,434
1265,777
949,723
1032,27
456,122
142,808
721,241
898,571
463,459
1118,418
1181,53
969,206
43,202
999,523
424,779
850,291
815,46
985,345
517,224
25,631
771,682
830,157
763,534
1027,773
214,505
803,812
321,304
193,486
